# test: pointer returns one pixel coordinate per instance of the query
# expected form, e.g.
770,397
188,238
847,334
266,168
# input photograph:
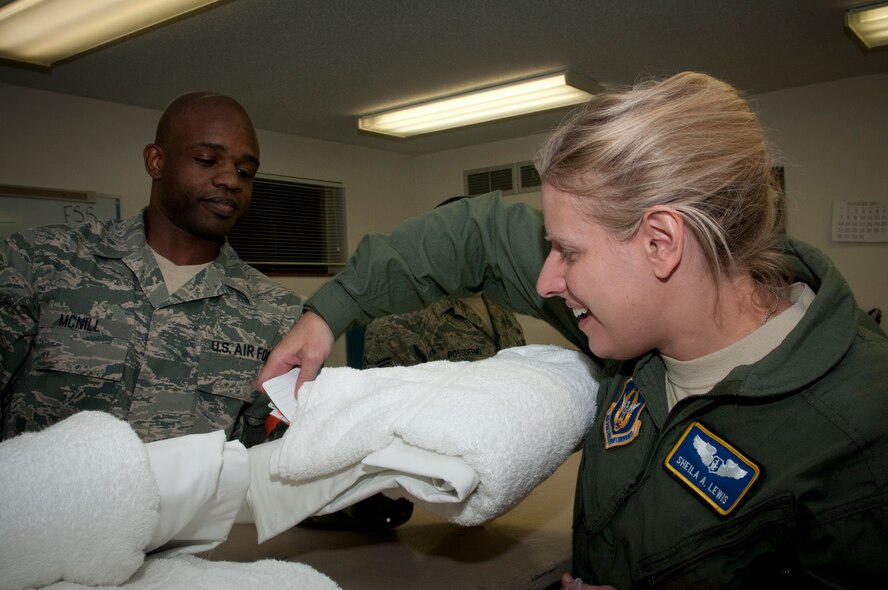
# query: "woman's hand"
568,582
307,345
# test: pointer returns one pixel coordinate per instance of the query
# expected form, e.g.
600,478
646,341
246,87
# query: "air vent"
520,177
294,226
479,182
529,178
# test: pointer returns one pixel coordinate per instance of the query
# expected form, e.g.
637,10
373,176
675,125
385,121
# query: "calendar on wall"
860,221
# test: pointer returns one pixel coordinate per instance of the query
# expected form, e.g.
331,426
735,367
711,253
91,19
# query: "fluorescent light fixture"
43,32
869,23
480,106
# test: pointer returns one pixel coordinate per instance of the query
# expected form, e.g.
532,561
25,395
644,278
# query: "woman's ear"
153,155
662,232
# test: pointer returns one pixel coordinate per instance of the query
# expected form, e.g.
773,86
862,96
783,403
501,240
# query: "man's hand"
307,345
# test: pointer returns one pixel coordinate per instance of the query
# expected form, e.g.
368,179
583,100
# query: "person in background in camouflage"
154,318
451,329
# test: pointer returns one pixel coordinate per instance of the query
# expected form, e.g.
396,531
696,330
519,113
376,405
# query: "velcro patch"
622,422
712,468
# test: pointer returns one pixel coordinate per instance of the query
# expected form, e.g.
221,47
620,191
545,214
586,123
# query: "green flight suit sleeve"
473,244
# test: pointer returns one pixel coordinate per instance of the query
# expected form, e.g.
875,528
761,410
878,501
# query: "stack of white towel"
504,424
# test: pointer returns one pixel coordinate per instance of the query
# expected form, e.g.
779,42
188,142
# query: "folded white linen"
276,504
434,477
202,481
513,419
84,499
187,572
79,502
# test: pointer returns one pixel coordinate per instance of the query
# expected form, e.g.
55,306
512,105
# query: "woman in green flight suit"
741,440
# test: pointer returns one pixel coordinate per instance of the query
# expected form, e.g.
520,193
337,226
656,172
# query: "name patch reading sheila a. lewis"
712,468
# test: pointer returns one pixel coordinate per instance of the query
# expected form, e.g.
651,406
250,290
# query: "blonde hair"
689,142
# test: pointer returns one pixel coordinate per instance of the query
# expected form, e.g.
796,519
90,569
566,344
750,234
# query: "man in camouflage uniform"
154,319
450,329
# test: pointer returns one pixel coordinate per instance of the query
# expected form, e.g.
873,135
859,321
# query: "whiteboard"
18,213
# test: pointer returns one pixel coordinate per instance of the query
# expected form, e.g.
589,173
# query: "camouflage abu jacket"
447,330
87,324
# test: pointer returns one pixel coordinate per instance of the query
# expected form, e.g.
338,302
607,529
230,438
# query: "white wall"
832,140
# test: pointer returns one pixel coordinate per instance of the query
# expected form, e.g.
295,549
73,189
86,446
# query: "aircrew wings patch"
711,468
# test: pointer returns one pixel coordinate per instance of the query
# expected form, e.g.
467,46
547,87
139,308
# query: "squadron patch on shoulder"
713,469
622,421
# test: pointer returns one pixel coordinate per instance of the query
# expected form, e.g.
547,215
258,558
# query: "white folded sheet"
202,481
276,504
511,420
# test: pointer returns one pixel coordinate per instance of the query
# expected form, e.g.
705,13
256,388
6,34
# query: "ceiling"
310,67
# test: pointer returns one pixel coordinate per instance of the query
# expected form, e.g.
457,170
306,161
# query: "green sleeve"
474,244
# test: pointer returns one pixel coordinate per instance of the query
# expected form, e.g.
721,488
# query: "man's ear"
153,155
662,231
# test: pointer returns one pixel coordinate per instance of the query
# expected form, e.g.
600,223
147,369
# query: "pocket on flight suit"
77,363
752,550
81,345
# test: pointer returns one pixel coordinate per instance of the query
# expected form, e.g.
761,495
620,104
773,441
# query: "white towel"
79,502
513,419
187,572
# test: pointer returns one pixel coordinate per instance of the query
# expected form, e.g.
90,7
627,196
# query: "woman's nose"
551,283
